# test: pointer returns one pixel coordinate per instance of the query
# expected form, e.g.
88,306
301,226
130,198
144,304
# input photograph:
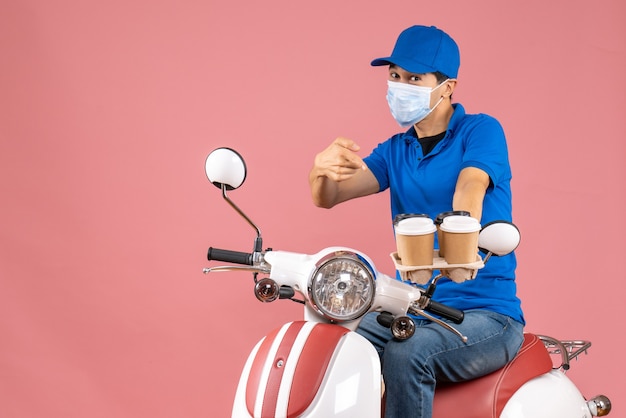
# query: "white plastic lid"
415,226
460,224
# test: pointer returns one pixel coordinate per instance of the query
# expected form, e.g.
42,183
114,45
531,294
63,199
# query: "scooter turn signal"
403,328
266,290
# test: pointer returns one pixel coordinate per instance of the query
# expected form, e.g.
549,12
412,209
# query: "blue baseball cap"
424,49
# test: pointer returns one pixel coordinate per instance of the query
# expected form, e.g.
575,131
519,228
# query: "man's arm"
339,174
469,194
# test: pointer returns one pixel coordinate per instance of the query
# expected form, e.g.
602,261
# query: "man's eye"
415,78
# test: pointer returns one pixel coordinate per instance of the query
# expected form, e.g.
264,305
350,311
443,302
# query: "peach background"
108,109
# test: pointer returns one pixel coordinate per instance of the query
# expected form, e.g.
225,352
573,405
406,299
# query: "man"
446,160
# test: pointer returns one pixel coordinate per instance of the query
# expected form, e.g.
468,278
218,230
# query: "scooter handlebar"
453,314
243,258
230,256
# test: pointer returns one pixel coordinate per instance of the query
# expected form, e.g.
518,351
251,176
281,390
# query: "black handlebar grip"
229,256
453,314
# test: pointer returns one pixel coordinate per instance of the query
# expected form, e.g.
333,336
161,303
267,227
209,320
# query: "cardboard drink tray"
422,274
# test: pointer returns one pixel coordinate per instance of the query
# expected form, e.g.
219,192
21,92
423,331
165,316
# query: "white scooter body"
550,395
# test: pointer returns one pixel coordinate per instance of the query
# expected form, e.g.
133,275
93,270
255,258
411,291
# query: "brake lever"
255,269
418,311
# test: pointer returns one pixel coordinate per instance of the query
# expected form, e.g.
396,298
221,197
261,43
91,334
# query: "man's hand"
339,174
339,161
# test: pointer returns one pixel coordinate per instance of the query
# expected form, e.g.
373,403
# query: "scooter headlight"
342,287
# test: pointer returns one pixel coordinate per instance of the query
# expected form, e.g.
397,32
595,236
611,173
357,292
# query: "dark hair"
441,77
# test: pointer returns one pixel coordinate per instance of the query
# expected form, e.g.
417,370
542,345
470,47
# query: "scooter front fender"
307,369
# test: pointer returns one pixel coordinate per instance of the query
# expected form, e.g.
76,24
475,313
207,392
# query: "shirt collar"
410,135
455,120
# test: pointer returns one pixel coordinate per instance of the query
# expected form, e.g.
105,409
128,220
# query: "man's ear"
449,87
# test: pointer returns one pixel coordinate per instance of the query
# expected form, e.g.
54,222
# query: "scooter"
320,367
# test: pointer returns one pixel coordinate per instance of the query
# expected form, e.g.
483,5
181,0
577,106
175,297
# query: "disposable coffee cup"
460,236
439,219
415,239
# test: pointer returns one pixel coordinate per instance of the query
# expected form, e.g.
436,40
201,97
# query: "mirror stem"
258,242
487,257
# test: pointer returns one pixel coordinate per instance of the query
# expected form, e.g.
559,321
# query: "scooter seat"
486,396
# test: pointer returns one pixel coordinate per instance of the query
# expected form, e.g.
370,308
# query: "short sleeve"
486,149
377,163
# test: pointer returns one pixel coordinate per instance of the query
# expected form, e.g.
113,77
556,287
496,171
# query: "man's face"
400,75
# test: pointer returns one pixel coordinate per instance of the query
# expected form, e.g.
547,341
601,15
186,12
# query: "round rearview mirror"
225,166
499,238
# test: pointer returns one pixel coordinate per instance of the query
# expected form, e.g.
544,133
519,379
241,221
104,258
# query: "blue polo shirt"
425,184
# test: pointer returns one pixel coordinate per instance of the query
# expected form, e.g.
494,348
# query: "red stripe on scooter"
276,373
256,370
312,365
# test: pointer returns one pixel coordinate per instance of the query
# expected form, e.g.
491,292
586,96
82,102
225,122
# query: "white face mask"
409,103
